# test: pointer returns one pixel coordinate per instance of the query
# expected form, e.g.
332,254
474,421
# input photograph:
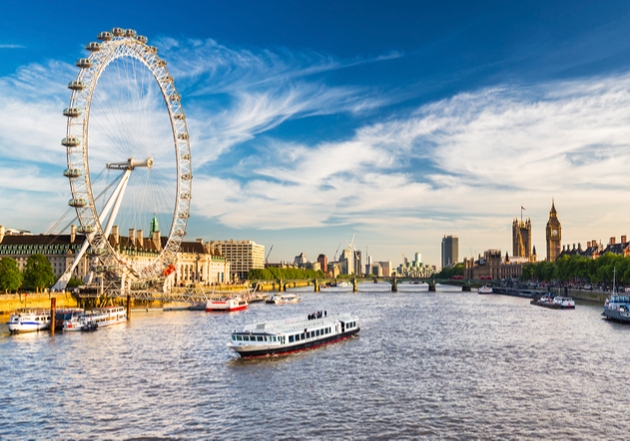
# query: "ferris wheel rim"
115,45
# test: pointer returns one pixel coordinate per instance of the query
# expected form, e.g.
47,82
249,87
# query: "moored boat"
101,317
280,299
29,320
61,315
226,305
485,289
548,301
617,308
292,335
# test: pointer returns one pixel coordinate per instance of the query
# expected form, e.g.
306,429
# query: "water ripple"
446,365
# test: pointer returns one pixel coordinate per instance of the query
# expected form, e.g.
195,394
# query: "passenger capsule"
93,47
182,136
184,215
71,112
86,229
174,97
153,49
72,173
185,195
186,156
161,63
142,39
104,36
71,141
118,32
77,203
84,63
179,116
76,85
186,176
130,33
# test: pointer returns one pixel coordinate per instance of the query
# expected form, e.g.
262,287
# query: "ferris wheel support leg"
116,197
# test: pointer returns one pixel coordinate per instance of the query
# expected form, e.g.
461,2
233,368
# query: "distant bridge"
282,284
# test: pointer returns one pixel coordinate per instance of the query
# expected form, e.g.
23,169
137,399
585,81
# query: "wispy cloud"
11,46
236,94
461,165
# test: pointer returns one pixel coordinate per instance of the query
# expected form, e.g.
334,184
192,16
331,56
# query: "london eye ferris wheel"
128,154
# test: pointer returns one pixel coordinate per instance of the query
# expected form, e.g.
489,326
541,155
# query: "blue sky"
311,121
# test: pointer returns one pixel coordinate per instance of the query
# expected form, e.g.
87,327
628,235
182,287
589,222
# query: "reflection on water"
442,365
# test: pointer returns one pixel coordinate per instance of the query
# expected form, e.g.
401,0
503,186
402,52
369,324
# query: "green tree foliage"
38,272
581,269
447,273
283,274
74,282
10,276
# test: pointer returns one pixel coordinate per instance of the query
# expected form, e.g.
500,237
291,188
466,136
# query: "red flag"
522,208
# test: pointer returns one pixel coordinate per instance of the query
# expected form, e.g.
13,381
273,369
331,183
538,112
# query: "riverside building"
243,255
194,264
450,251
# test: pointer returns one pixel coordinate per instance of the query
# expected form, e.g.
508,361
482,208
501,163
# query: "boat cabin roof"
296,323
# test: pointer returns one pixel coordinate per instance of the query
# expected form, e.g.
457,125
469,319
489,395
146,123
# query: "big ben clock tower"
554,235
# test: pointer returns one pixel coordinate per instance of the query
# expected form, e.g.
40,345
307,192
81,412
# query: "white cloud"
458,166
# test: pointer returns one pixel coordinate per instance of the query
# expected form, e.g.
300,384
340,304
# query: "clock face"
554,232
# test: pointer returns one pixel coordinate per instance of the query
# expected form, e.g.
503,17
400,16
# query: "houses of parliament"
494,265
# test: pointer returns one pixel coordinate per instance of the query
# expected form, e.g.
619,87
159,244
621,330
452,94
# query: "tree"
10,276
38,272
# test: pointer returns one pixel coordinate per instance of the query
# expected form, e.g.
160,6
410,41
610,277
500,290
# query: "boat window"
259,338
239,338
291,338
245,338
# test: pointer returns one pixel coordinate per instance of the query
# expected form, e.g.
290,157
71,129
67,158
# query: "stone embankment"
11,302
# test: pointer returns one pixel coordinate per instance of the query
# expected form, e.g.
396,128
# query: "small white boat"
281,299
292,335
29,320
485,289
564,302
226,305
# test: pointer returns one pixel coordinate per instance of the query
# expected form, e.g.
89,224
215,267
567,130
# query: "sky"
313,122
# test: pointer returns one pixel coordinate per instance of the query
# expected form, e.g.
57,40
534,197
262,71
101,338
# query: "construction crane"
335,258
268,253
351,244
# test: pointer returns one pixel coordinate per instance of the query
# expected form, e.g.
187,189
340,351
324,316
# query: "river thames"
445,365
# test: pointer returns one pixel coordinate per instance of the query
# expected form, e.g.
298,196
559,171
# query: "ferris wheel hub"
130,164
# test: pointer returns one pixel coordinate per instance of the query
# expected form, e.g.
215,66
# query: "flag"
522,208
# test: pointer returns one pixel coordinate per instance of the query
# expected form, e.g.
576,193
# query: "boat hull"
18,328
552,305
616,315
284,350
226,305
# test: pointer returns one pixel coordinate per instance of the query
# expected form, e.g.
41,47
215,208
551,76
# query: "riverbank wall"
11,302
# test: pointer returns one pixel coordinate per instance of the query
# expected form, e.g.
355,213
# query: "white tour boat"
485,289
280,299
564,302
96,318
226,305
292,335
29,320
